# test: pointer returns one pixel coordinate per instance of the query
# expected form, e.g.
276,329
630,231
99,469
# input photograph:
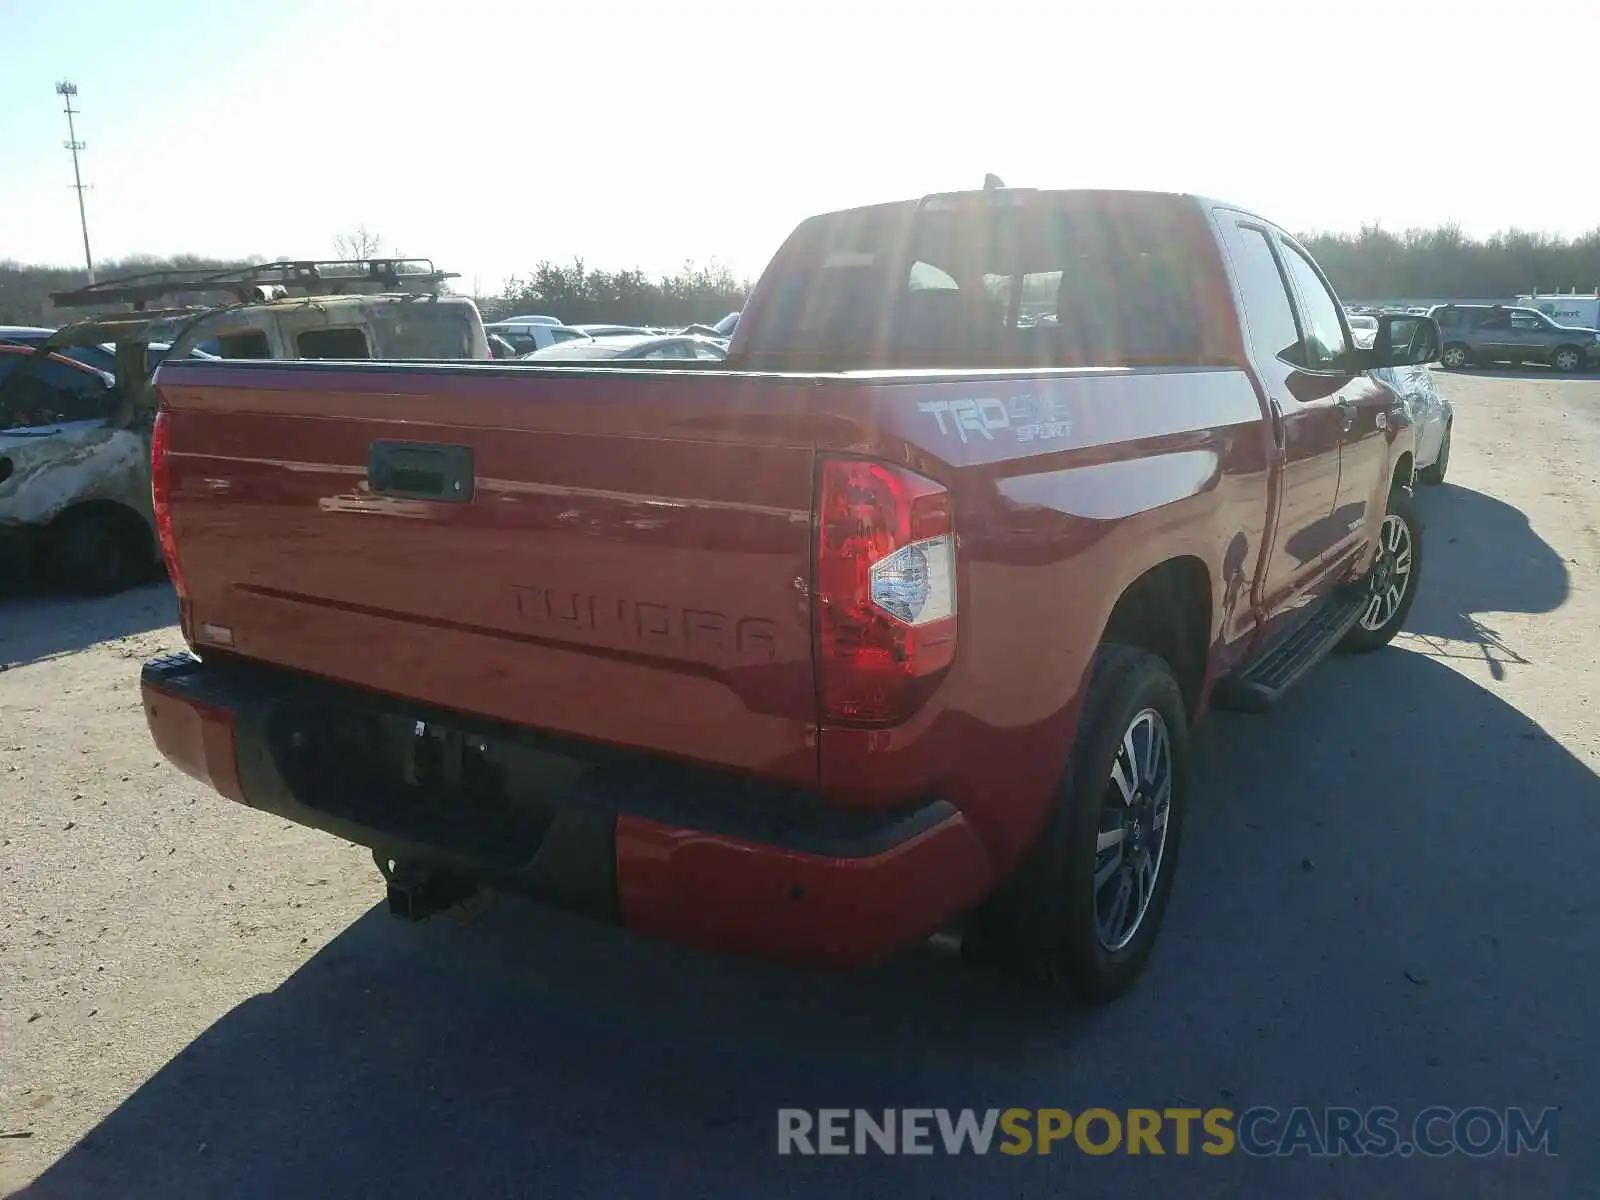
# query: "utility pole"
66,89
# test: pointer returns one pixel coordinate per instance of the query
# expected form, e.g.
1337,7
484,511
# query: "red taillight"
885,596
161,503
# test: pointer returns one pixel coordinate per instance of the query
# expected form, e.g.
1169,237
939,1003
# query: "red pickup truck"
897,620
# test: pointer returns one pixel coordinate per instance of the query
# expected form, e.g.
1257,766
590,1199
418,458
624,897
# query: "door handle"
1347,415
420,471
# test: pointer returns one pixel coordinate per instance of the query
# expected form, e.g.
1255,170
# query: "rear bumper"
669,850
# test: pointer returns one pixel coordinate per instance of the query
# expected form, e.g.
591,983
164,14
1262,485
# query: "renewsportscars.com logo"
1377,1132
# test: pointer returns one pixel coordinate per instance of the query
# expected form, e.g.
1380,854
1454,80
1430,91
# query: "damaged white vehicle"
75,441
74,479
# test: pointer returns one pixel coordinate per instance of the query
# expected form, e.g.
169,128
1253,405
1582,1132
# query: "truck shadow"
36,624
1354,843
1481,555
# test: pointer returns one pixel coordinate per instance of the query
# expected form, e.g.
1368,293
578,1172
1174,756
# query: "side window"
248,343
75,381
1526,321
1267,308
52,393
331,343
1450,318
1324,330
1040,291
1496,323
927,276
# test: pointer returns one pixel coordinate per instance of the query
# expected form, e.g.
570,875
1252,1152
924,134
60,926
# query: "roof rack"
263,282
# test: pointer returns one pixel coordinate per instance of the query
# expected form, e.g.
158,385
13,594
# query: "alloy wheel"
1133,829
1390,575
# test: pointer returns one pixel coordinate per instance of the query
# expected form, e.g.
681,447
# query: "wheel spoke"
1109,838
1119,776
1107,869
1402,562
1147,880
1160,754
1392,604
1370,617
1118,916
1163,802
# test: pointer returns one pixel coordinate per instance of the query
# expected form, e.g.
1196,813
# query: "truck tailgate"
609,555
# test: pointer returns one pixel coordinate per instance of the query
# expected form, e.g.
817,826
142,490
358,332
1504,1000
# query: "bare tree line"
1373,262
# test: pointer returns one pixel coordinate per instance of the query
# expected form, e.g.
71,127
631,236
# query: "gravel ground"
1388,896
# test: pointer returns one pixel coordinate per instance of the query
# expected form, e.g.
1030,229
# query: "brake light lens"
161,504
885,597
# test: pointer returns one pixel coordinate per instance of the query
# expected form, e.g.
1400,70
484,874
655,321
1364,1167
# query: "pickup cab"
895,622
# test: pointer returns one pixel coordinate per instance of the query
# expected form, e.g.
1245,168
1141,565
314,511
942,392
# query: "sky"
489,136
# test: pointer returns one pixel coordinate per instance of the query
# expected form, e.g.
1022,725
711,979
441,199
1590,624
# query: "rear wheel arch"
1569,353
1168,611
99,546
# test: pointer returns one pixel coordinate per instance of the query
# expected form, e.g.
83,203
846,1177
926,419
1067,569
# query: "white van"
1566,309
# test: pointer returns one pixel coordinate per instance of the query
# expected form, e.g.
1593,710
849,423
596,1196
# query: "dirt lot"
1388,895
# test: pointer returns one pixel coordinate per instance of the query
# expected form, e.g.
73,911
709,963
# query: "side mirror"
1404,340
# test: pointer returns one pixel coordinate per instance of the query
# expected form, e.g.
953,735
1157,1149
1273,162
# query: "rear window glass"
1093,280
431,330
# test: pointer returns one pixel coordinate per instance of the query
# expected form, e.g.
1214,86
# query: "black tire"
1434,473
1567,359
1044,920
1364,637
99,551
1456,356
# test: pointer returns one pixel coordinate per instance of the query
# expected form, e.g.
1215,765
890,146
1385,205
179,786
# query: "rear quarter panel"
1067,488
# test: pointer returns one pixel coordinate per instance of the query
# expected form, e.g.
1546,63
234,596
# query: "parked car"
895,625
499,347
527,337
1431,415
84,525
75,487
535,319
1363,326
1475,334
726,326
101,357
1429,410
621,348
598,331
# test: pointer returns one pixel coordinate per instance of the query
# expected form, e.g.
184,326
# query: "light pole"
66,89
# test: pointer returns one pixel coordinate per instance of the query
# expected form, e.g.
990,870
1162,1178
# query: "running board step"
1261,686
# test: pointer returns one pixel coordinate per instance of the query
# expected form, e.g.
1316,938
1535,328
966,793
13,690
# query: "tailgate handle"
420,471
